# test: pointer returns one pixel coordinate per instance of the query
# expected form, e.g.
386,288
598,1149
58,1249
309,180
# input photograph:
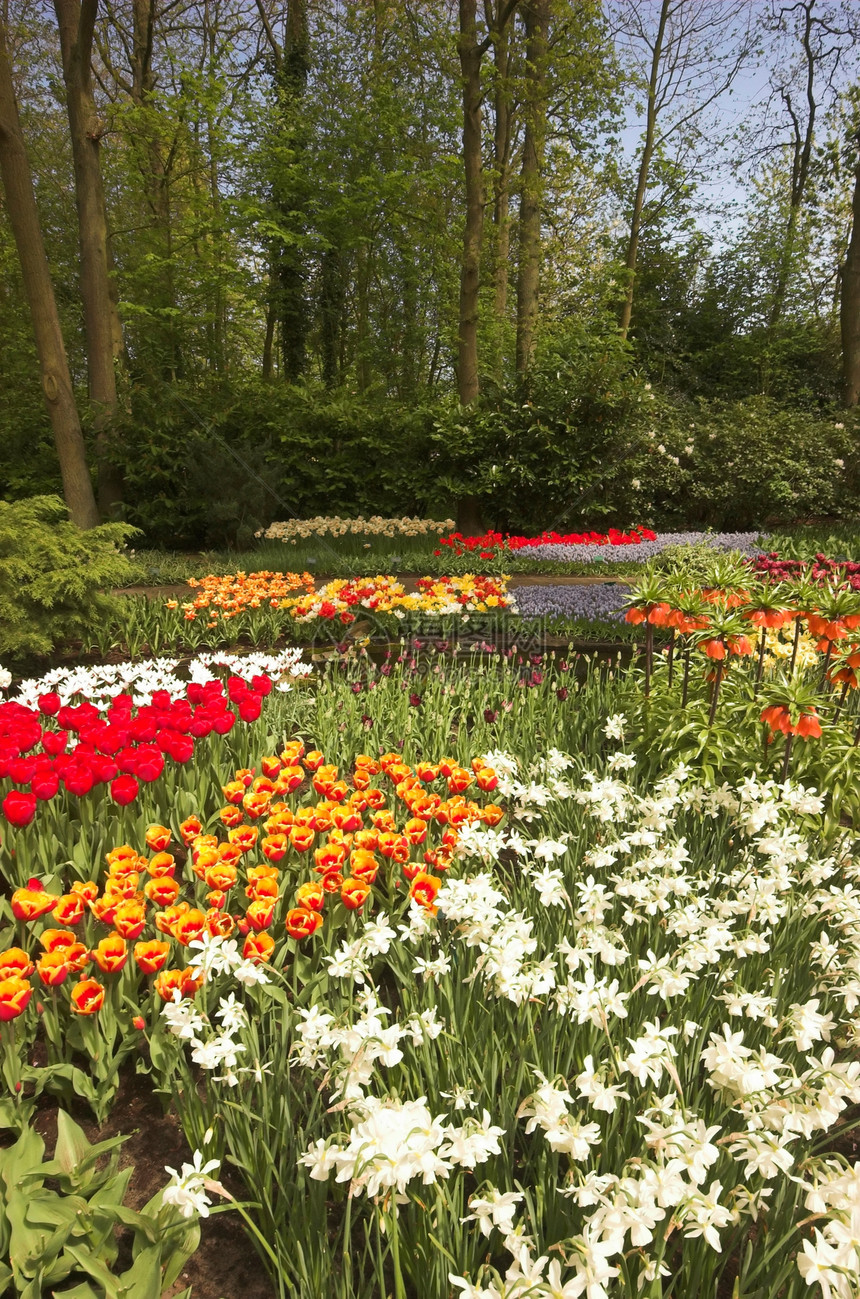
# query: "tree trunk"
849,305
76,20
470,269
292,79
537,17
644,168
39,292
502,127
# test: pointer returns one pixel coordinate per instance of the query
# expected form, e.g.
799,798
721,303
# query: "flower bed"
294,530
493,543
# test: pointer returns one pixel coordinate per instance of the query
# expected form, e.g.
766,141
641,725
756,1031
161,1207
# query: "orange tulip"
354,893
244,837
151,956
163,890
31,902
54,940
157,837
221,877
165,920
69,909
260,913
189,829
129,919
301,837
189,926
161,865
234,792
415,830
394,845
15,994
301,922
167,982
111,954
52,968
424,889
262,887
219,923
363,865
87,997
274,846
311,896
15,963
258,947
230,816
491,814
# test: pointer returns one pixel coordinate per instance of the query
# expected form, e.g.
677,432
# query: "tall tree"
76,21
849,303
685,55
56,380
536,16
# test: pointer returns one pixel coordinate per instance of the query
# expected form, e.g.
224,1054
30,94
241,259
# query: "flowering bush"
334,526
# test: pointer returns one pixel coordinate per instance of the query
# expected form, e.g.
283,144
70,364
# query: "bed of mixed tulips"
532,975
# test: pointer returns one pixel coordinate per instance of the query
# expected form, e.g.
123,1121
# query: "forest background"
542,263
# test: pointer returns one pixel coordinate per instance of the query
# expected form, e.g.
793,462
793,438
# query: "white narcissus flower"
187,1191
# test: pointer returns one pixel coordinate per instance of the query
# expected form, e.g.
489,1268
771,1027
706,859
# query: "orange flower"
311,896
104,908
129,919
230,816
424,889
220,924
301,837
415,830
189,926
302,922
313,760
52,968
258,947
290,779
31,902
331,881
77,957
87,889
190,829
487,779
262,887
69,909
111,954
234,792
256,804
157,837
459,780
394,845
260,913
274,846
54,940
168,982
491,814
347,819
163,890
808,726
354,893
368,839
244,837
15,963
151,956
230,854
161,865
165,920
15,994
87,997
220,876
363,865
122,855
292,751
329,857
271,767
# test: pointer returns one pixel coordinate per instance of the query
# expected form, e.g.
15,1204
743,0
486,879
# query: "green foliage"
210,468
66,1231
52,575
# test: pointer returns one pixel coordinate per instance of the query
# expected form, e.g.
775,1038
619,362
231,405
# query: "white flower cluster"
393,1142
334,526
102,683
187,1191
216,955
352,1047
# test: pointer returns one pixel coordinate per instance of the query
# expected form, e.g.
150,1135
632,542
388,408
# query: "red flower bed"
491,543
121,749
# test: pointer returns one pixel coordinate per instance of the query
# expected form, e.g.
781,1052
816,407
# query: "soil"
225,1265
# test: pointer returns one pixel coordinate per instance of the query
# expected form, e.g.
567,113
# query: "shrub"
52,575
